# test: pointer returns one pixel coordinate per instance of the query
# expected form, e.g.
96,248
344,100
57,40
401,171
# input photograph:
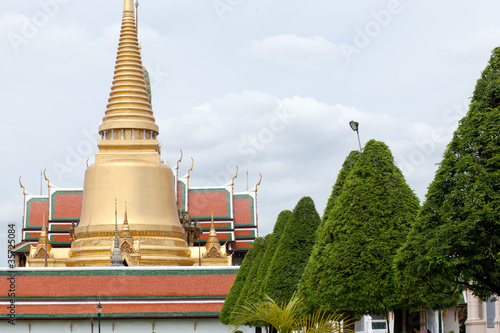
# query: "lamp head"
354,125
99,308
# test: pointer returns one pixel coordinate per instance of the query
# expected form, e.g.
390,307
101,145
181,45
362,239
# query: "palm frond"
286,318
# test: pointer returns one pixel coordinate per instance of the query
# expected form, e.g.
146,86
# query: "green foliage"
339,184
286,318
456,238
293,251
351,268
240,281
283,218
249,292
347,166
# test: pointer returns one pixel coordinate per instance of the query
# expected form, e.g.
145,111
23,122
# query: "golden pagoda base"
150,251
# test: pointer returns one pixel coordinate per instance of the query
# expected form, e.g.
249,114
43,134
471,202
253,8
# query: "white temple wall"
200,325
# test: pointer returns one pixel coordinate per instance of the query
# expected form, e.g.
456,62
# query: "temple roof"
159,292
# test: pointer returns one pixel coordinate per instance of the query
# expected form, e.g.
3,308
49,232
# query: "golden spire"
212,240
43,240
129,114
43,247
126,228
116,253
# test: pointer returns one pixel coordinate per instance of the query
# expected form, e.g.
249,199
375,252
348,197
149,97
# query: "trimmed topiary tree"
347,166
283,218
339,183
239,282
249,292
353,270
293,252
456,239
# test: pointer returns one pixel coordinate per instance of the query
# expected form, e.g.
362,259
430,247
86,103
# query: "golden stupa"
128,168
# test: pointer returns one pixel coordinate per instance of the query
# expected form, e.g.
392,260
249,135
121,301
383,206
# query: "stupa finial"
129,115
128,6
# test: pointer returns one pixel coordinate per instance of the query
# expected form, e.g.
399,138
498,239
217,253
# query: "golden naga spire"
128,167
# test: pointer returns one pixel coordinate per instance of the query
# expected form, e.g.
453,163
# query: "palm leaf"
286,318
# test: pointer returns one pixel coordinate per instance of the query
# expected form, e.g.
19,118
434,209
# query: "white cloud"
293,50
475,46
297,143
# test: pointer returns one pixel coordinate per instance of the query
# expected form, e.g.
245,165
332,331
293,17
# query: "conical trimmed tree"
279,227
456,238
347,166
249,292
240,281
339,183
293,252
368,223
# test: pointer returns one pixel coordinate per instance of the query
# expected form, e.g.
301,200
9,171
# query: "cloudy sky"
268,85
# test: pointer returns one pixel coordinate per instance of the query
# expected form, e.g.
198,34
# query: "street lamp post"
99,310
355,126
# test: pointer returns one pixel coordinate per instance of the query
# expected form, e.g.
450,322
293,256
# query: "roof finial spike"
260,180
192,165
180,159
48,181
22,186
235,176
